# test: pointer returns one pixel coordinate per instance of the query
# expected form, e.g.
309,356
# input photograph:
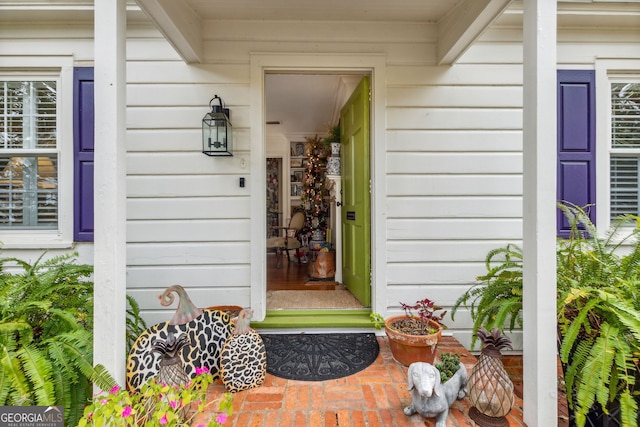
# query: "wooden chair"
288,239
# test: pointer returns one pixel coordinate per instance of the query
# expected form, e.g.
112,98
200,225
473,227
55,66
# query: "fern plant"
598,279
46,341
598,310
496,299
46,334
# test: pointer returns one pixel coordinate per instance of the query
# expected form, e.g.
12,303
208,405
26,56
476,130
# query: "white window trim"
59,69
606,70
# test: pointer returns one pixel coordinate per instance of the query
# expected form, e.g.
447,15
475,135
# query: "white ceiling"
306,104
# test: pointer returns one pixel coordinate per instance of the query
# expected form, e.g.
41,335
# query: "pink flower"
127,411
221,418
103,401
115,389
163,420
173,404
203,370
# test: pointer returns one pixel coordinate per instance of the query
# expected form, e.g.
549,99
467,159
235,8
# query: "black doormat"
319,357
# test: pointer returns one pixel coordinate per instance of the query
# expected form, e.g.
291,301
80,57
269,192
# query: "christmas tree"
314,192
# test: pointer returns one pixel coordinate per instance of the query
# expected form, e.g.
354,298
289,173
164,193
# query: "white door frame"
299,63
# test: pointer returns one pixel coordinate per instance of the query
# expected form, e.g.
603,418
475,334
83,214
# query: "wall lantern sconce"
217,135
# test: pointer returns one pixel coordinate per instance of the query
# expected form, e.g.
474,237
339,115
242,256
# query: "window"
625,147
28,155
36,154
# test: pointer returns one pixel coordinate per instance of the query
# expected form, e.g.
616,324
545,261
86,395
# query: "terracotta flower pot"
407,348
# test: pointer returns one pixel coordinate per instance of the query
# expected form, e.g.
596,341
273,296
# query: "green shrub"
46,323
598,309
46,334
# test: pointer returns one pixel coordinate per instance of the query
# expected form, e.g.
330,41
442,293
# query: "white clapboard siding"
454,207
454,140
182,163
185,207
158,140
179,117
187,94
454,229
160,277
189,230
455,96
187,253
140,186
454,185
407,251
462,74
454,163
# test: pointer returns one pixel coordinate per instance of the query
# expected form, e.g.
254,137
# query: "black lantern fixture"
217,135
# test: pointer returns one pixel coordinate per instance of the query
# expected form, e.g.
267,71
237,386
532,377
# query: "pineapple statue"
171,372
489,387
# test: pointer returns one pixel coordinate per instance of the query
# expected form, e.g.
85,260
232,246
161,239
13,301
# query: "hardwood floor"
292,276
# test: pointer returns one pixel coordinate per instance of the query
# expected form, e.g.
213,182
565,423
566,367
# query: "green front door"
356,200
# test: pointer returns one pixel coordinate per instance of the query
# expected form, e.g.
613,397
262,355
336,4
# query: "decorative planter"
406,348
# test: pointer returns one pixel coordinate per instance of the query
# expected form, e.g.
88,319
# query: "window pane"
29,192
28,115
624,185
625,115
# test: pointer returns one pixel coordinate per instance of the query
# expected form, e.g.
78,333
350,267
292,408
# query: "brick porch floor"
375,396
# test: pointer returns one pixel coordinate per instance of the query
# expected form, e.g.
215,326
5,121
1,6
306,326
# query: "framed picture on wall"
296,163
298,176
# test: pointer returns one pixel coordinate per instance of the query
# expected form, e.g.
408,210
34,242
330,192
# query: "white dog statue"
431,398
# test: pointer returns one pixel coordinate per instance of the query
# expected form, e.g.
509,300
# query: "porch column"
539,196
109,187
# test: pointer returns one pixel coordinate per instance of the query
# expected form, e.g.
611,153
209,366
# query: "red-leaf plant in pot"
413,337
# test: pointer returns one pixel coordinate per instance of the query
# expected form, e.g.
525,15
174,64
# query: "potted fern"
598,308
599,316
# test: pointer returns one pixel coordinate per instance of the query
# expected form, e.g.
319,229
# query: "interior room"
302,115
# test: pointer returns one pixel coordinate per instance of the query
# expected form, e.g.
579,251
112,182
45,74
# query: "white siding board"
81,50
395,53
186,94
180,117
190,253
188,230
194,163
207,276
454,185
454,229
454,140
454,207
434,274
147,72
180,140
445,295
455,96
184,186
184,207
460,74
454,118
454,163
409,251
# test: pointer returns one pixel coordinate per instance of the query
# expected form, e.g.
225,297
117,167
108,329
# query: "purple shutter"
83,142
576,142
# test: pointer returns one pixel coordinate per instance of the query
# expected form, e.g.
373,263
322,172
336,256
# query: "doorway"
298,108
